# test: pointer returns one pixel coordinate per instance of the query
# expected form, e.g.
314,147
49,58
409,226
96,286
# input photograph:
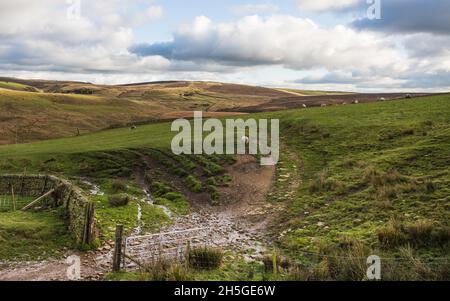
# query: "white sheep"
304,106
245,139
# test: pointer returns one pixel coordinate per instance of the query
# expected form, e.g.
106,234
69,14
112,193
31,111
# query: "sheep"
133,128
356,102
382,99
323,105
408,96
304,106
245,139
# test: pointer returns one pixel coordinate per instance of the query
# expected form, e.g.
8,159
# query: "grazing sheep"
133,128
304,106
408,96
323,105
344,103
245,139
356,102
382,99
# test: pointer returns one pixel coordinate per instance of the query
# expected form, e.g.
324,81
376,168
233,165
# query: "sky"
351,45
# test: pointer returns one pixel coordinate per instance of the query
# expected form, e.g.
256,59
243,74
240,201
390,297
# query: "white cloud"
323,5
42,37
261,8
295,43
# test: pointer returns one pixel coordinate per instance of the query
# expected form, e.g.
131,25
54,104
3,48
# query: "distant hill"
34,110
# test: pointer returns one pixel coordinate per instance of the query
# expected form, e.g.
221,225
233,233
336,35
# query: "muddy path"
239,224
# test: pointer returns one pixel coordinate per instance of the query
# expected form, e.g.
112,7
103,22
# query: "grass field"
17,86
32,235
375,177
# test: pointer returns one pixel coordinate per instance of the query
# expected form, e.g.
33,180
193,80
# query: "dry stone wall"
80,211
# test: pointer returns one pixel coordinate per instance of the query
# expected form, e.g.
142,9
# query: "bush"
194,185
205,258
159,189
215,194
118,186
173,196
118,200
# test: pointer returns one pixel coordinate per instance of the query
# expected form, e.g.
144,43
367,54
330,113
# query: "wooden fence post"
274,262
117,258
13,198
88,221
187,254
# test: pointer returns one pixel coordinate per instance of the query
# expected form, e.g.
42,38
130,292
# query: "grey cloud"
410,16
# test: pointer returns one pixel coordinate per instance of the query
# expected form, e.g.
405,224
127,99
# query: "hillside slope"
33,110
372,179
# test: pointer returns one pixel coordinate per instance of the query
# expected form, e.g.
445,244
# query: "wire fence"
10,203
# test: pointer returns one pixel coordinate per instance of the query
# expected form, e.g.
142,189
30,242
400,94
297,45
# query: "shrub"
159,188
205,258
118,200
118,186
215,194
173,196
194,184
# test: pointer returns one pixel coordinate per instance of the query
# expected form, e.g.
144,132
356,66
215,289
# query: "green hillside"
17,86
375,179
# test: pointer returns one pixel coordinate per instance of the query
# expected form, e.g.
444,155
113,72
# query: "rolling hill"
32,110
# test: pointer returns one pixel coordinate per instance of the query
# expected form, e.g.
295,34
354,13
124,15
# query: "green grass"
32,235
340,145
17,86
8,203
108,217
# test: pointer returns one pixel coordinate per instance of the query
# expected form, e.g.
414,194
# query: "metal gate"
170,246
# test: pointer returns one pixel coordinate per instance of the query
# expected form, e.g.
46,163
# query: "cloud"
152,13
42,37
295,43
250,9
329,78
410,16
326,5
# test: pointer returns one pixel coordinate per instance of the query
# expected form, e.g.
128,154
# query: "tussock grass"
205,258
322,183
118,200
419,234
